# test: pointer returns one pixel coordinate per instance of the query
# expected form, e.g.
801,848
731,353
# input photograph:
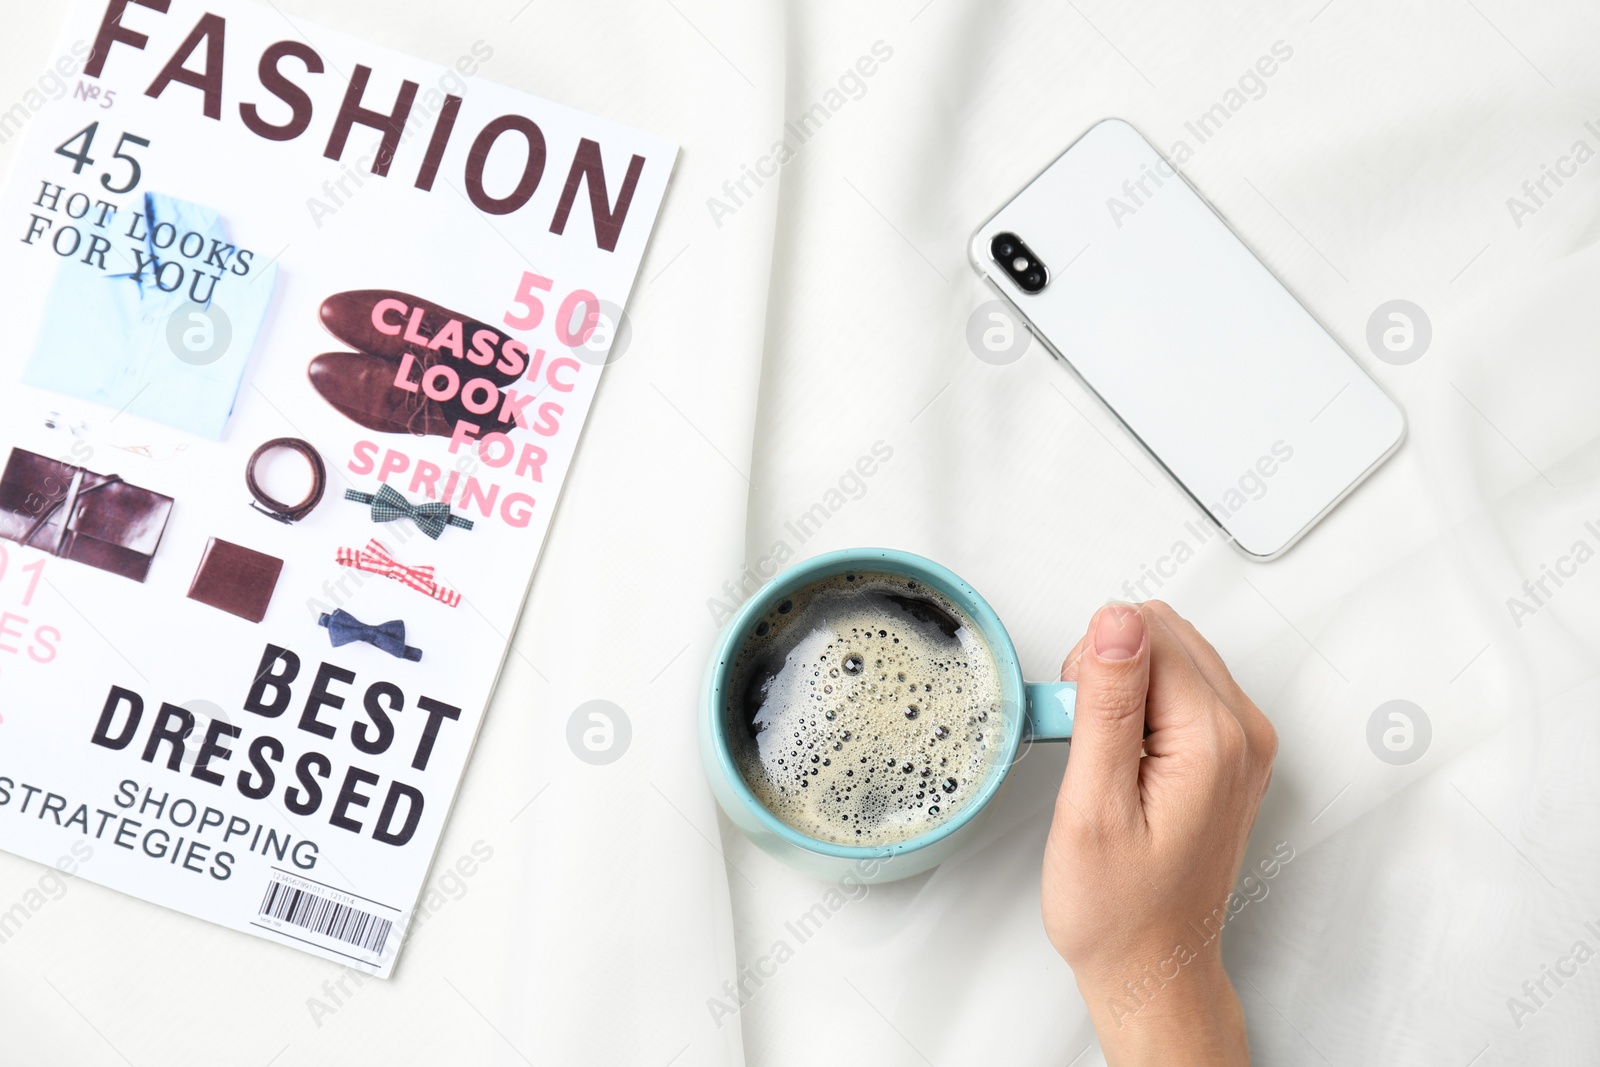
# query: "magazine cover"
302,336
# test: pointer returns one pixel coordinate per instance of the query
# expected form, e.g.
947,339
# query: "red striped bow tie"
375,559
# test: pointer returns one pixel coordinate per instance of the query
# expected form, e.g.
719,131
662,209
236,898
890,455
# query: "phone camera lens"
1018,261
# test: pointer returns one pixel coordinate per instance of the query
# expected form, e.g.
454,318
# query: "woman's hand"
1148,834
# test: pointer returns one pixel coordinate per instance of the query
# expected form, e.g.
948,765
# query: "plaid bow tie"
388,505
375,559
390,636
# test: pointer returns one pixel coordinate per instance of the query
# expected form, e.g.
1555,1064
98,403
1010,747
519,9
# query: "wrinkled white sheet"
783,331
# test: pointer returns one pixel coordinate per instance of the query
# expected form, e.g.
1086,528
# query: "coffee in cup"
865,709
962,712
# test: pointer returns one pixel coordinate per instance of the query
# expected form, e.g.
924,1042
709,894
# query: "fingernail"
1118,632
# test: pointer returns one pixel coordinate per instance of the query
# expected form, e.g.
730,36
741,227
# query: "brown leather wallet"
236,579
76,514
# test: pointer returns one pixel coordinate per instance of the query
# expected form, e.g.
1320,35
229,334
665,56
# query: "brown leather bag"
76,514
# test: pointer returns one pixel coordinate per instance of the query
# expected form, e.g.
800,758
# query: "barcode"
326,917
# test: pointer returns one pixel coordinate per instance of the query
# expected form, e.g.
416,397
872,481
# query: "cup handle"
1050,707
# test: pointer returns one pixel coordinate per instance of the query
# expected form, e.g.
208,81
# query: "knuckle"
1259,732
1267,743
1230,737
1203,751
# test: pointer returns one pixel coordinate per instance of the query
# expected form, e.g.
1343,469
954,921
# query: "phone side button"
1040,339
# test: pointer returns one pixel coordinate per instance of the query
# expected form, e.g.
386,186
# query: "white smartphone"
1126,274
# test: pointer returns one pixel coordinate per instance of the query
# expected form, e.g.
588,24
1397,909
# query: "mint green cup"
1046,715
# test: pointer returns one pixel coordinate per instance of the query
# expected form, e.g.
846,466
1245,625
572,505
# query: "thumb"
1108,725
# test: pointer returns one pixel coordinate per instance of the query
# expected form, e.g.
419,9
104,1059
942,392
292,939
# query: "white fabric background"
828,313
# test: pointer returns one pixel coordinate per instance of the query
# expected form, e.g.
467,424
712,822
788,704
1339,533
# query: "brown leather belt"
275,509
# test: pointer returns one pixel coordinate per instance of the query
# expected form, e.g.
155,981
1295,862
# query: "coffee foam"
865,710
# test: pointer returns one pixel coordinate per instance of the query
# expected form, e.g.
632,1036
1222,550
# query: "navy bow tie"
390,636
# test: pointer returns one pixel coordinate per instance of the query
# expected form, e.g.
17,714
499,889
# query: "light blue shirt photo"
134,340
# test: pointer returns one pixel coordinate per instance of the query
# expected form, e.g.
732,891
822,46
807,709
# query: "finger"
1069,666
1179,693
1102,775
1200,651
1212,668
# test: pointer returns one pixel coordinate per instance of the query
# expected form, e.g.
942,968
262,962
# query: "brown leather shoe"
360,386
348,316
